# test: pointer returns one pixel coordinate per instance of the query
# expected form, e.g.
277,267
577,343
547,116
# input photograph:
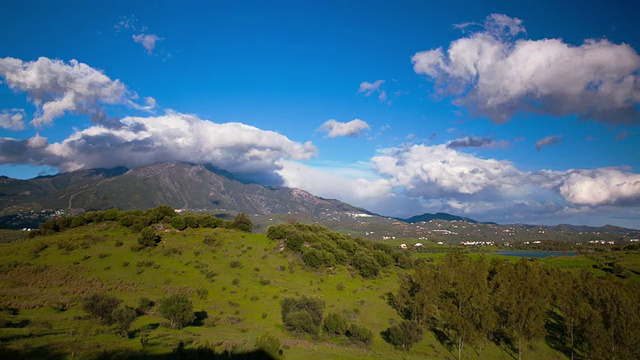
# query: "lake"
536,254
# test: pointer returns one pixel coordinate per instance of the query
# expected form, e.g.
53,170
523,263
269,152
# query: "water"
536,254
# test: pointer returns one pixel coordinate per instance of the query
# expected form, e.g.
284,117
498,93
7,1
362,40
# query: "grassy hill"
235,280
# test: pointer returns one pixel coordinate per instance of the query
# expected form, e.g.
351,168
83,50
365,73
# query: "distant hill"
426,217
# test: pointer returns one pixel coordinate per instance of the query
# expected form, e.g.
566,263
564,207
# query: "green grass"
56,272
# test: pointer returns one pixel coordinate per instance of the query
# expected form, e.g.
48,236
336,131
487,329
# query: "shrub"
178,223
235,264
367,266
123,317
101,306
202,293
270,344
144,305
403,335
303,314
148,237
178,309
360,334
335,324
242,222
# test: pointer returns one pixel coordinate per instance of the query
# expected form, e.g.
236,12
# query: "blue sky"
500,111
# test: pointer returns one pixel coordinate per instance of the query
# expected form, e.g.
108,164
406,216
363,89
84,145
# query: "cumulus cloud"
57,88
235,147
353,128
436,171
606,186
478,142
370,88
148,41
12,119
496,75
548,141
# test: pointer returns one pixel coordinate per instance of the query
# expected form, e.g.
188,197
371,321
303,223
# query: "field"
236,285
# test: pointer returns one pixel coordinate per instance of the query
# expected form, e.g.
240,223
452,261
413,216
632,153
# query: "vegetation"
301,291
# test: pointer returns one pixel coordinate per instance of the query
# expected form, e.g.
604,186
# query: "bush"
403,335
178,309
242,222
144,305
270,344
101,306
335,324
123,317
367,266
235,264
148,237
303,314
202,293
178,223
360,334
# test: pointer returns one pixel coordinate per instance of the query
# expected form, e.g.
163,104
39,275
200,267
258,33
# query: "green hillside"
236,282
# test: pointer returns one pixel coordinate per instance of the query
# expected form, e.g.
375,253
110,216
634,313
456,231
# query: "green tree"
367,266
242,222
178,309
148,237
522,299
123,317
101,306
178,223
302,314
360,334
270,344
404,335
335,324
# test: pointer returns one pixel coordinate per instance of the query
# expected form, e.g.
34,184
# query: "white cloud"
370,88
436,171
606,186
148,41
495,76
352,128
57,88
239,148
548,141
12,120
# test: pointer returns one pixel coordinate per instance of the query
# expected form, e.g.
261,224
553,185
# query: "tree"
403,335
178,309
521,298
101,306
242,222
367,266
360,334
178,223
303,314
148,237
270,344
335,324
123,318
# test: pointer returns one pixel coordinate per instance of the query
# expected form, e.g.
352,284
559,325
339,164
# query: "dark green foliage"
303,314
123,317
190,220
382,258
112,215
270,344
178,223
366,265
242,222
208,221
178,309
403,335
101,306
335,324
148,237
144,305
235,264
360,334
159,213
300,321
313,257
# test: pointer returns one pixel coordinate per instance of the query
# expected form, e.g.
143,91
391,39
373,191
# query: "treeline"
137,220
469,303
320,247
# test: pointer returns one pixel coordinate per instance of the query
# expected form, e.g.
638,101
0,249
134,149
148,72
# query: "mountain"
426,217
179,185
